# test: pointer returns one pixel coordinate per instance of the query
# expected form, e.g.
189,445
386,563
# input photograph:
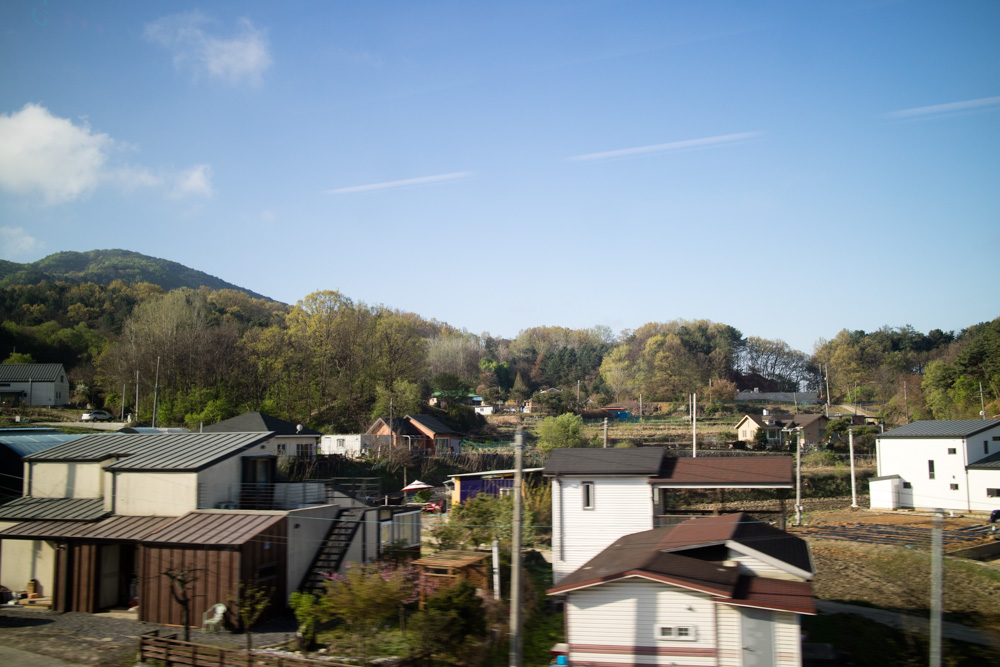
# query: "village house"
290,439
104,517
33,385
725,590
421,434
600,495
466,486
952,465
782,428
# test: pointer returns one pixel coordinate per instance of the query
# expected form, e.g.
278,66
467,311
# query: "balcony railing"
286,495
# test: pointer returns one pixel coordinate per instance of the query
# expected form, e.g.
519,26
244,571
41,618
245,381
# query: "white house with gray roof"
952,465
33,385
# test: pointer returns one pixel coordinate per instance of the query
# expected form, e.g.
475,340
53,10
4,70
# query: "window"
385,533
986,447
505,490
407,528
954,487
282,449
676,632
340,443
993,493
442,445
952,450
587,490
930,469
907,485
305,450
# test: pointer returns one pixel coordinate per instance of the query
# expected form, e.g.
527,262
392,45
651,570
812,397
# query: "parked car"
95,416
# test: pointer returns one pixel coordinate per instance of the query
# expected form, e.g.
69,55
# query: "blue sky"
790,169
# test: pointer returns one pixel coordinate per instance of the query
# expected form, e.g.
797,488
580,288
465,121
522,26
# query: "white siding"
622,505
751,565
729,636
979,482
627,613
787,639
909,458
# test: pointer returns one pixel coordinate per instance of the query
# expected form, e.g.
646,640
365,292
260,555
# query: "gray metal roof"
66,509
991,462
592,461
222,528
955,428
258,422
166,451
33,372
27,443
116,528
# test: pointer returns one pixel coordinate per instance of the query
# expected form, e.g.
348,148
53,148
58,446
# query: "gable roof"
258,422
675,555
67,509
593,461
165,451
431,424
33,372
954,428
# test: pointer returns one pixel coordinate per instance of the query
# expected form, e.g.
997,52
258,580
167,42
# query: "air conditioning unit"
225,506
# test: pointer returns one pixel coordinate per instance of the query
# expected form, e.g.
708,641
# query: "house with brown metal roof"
724,590
600,495
421,434
105,516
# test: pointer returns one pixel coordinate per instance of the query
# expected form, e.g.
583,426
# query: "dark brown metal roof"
593,461
795,596
729,470
218,528
116,528
258,422
66,509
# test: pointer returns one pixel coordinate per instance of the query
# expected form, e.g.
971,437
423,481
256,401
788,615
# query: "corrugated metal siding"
955,428
216,582
33,372
622,505
118,528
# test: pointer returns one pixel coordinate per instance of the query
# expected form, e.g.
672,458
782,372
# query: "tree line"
334,363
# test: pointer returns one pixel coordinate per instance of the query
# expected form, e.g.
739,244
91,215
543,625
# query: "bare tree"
181,581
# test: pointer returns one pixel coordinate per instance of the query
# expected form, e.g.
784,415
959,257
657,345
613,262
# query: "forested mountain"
334,363
103,267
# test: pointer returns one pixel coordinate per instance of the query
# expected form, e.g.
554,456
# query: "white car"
95,416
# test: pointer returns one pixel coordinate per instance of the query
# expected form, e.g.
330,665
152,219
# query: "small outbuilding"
446,568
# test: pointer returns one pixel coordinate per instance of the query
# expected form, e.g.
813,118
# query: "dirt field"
898,577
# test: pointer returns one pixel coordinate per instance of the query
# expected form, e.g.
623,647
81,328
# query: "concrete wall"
66,480
155,493
307,528
22,560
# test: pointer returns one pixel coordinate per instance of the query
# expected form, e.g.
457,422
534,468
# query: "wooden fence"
171,651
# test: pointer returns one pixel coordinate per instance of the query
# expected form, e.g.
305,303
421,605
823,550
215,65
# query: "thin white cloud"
61,161
674,146
241,58
15,242
196,181
951,107
267,215
423,180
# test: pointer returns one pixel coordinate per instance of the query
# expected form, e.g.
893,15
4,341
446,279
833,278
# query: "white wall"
750,564
155,493
627,613
43,393
307,528
22,560
909,458
884,493
66,480
979,482
622,505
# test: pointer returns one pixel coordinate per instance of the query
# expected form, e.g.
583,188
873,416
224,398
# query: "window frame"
587,499
930,469
674,634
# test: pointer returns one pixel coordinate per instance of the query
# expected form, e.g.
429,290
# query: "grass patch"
876,645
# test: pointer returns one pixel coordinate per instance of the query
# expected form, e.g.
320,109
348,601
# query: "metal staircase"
330,555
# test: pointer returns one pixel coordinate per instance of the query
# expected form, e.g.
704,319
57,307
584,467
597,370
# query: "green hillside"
104,266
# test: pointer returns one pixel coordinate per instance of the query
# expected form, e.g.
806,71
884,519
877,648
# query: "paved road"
15,656
908,622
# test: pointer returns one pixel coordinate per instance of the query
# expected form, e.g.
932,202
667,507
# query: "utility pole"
936,588
854,491
694,425
798,479
156,391
982,403
123,401
906,407
137,396
826,368
640,406
515,555
496,569
577,394
605,433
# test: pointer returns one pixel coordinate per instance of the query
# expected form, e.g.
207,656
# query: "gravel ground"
94,639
